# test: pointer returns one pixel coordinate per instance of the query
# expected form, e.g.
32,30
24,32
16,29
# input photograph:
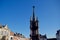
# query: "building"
52,39
43,37
4,32
7,34
34,33
58,34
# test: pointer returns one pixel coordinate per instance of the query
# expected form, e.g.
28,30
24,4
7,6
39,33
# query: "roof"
58,31
11,33
43,36
52,39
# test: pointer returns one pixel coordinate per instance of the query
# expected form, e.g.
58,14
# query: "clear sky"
16,14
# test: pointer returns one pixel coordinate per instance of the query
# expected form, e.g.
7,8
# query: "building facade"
58,34
34,33
34,29
6,34
43,37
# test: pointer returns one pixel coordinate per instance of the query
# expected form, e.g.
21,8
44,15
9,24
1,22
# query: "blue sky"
16,14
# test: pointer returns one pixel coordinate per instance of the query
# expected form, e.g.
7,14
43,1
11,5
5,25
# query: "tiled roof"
11,33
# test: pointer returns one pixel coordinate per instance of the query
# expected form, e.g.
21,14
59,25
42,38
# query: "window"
11,38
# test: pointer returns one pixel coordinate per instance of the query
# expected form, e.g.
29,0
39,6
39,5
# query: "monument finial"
33,13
